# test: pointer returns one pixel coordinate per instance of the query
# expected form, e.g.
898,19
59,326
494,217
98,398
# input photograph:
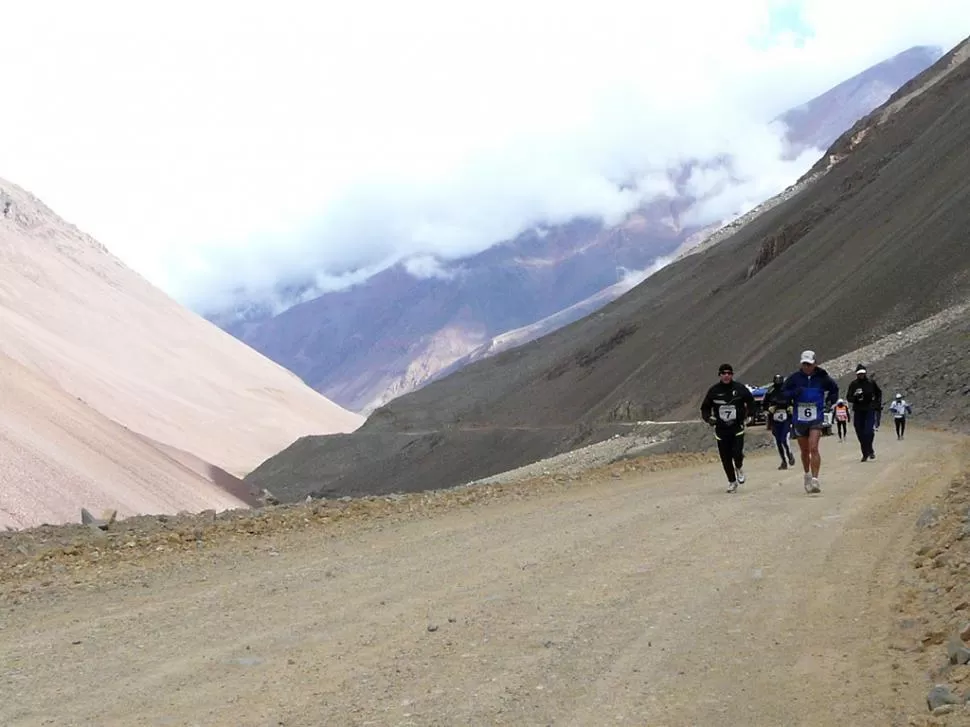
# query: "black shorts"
802,430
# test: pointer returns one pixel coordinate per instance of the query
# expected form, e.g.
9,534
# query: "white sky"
212,145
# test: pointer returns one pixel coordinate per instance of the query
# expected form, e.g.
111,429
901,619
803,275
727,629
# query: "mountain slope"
136,368
367,344
877,241
58,455
391,334
818,123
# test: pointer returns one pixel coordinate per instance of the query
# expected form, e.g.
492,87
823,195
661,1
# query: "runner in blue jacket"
810,391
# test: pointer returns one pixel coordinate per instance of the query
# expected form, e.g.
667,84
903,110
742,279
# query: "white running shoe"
732,487
815,487
740,473
808,482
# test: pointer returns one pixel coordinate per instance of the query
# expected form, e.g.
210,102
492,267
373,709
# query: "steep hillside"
387,336
139,373
877,241
74,312
391,334
818,123
58,455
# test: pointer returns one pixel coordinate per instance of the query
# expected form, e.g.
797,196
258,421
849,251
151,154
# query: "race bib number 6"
728,413
806,412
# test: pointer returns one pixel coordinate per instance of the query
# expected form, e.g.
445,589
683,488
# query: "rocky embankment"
933,612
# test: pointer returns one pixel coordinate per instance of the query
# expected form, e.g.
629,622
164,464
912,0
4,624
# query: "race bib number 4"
781,415
806,412
728,413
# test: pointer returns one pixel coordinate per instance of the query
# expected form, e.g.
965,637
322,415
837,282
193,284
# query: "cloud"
224,147
428,266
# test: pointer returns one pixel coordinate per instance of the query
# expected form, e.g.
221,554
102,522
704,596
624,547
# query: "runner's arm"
831,392
788,392
706,406
748,398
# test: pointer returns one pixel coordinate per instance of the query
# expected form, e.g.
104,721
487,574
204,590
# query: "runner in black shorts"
810,390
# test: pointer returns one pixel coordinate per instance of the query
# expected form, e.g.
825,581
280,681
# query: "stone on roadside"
928,517
939,696
965,631
97,523
958,653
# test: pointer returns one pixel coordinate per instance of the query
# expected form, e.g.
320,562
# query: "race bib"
781,415
806,412
841,416
728,413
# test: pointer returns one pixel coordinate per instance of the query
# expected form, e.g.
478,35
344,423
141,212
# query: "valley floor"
638,599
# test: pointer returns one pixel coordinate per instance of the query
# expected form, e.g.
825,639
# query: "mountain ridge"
160,408
847,237
365,345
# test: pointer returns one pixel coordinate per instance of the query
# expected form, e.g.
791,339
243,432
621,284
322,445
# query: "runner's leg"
805,452
814,435
725,448
737,451
780,430
869,423
859,424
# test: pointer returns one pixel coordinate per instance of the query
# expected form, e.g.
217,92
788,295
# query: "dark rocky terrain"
878,242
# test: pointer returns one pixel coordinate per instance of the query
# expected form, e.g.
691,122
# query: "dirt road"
646,600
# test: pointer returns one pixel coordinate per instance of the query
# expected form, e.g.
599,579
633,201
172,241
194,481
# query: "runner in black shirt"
726,407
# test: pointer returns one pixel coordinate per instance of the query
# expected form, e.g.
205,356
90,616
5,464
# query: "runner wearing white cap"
865,396
810,390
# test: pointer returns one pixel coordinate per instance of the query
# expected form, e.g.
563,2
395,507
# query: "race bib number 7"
806,412
728,413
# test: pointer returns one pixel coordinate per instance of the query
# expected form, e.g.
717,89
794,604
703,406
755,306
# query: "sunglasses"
723,373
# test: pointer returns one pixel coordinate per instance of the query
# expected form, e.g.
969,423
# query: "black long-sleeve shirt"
730,404
864,395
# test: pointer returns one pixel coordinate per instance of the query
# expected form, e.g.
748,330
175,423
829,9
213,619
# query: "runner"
900,408
810,390
841,414
779,420
726,407
866,397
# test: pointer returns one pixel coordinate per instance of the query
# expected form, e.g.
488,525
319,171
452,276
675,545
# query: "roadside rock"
932,626
939,696
957,652
102,523
928,518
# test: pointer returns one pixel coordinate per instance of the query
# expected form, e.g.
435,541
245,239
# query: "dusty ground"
628,597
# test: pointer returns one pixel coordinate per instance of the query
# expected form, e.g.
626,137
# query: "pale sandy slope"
72,312
58,455
651,599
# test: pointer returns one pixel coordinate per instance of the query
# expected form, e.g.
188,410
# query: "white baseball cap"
808,357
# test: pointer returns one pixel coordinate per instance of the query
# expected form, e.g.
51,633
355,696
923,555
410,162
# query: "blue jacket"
810,395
